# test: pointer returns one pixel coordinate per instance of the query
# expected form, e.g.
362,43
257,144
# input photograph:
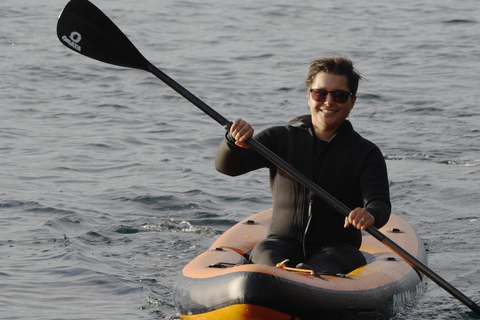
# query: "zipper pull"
310,204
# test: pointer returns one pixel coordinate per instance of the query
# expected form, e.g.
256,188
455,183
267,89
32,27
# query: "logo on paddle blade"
73,40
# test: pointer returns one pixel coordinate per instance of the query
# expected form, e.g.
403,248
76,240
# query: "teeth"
328,111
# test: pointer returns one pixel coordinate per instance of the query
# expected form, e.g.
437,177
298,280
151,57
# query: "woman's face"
328,115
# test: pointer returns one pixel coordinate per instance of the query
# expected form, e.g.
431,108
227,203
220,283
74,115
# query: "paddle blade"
85,29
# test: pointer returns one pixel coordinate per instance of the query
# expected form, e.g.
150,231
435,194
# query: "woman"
324,147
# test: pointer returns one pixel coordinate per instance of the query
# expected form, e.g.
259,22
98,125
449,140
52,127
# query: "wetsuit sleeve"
375,188
233,160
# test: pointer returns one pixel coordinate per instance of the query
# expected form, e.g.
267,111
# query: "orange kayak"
221,284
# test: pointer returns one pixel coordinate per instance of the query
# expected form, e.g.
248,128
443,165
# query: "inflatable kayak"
221,284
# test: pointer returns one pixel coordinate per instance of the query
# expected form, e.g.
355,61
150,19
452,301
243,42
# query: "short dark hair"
337,65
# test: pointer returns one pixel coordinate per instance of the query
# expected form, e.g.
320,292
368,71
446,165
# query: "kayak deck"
221,284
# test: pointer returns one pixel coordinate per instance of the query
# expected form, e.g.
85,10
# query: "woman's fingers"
360,219
241,131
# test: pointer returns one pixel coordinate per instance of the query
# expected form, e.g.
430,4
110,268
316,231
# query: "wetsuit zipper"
310,204
312,196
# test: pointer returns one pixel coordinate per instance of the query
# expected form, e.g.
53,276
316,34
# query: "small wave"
285,89
33,206
50,210
154,302
94,238
473,163
468,218
17,204
99,170
169,203
98,145
114,106
423,110
127,230
425,157
370,96
459,21
254,57
181,227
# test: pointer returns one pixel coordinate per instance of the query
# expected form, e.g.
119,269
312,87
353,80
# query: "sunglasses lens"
319,94
339,96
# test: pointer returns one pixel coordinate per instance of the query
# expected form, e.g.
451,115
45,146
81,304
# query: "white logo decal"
76,37
73,40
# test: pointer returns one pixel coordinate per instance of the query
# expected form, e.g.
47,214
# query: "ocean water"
108,184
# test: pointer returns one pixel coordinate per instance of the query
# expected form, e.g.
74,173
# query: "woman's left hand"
360,219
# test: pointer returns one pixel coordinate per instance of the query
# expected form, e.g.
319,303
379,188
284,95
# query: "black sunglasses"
339,96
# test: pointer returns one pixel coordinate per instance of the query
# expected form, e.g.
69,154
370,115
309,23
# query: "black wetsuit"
349,167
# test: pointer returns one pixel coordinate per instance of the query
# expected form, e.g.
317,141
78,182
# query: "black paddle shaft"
85,29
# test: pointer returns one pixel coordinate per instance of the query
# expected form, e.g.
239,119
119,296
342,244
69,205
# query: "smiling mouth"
328,111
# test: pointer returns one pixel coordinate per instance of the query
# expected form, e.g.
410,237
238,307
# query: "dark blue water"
108,184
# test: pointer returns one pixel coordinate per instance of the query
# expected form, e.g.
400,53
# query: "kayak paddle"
85,29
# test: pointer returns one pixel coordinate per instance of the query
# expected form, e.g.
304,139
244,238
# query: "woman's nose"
329,99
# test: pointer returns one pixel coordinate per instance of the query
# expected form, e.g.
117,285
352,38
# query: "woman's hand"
241,131
360,219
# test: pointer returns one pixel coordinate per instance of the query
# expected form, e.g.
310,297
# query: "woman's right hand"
241,131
